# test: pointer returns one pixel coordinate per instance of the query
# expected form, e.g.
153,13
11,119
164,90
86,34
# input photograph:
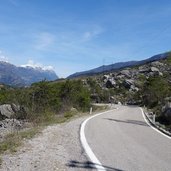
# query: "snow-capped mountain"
24,75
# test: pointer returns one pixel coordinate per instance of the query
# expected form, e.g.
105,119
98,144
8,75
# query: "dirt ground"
56,148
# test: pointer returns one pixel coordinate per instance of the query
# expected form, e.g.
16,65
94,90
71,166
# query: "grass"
13,140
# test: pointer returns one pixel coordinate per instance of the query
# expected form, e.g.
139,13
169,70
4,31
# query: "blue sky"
77,35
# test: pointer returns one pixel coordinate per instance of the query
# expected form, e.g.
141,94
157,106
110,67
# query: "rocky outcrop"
110,83
126,73
120,66
128,83
8,110
154,69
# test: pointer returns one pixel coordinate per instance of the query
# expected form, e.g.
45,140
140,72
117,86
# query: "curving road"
122,140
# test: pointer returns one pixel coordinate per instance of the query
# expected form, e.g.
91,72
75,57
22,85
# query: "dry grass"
13,140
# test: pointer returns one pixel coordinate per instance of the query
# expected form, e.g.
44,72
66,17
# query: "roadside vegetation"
45,100
45,103
42,104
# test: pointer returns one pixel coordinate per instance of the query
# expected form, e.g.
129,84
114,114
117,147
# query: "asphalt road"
122,140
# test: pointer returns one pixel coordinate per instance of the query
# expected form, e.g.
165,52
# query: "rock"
143,69
154,69
10,124
160,74
167,99
157,64
133,88
110,83
128,83
106,77
167,112
118,77
127,73
6,111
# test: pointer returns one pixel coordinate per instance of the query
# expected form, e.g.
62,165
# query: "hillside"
117,66
146,85
23,76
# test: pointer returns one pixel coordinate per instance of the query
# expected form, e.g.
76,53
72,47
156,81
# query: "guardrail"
151,119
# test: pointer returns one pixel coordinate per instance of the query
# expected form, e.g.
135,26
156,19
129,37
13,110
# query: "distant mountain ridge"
118,66
23,76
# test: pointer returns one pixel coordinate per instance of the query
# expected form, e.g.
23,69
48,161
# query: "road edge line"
153,126
85,145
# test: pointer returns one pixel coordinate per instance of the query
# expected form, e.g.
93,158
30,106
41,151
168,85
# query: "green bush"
45,98
154,91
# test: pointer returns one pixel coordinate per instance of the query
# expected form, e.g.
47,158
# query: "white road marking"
152,126
87,148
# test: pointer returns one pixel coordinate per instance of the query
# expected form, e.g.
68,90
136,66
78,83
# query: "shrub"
154,91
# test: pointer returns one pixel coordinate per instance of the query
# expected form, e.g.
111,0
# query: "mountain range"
26,75
118,66
23,76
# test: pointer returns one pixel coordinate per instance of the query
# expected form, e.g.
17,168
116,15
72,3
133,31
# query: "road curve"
122,140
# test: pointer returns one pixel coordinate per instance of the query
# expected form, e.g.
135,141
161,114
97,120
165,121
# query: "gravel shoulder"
57,147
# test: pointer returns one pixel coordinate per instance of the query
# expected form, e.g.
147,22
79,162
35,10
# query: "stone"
118,77
143,69
6,111
125,72
106,77
128,83
133,88
154,69
167,112
110,83
157,64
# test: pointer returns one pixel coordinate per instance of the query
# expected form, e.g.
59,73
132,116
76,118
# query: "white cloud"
88,35
3,57
33,64
44,40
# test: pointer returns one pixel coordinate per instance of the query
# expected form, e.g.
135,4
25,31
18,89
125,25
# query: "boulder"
127,73
128,83
143,69
106,77
133,88
154,69
118,77
157,64
167,112
110,83
8,110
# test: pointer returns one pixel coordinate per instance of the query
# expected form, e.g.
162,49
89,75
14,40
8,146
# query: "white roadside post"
91,109
154,118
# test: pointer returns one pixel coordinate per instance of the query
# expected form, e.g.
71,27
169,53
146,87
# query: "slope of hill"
146,84
117,66
23,76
